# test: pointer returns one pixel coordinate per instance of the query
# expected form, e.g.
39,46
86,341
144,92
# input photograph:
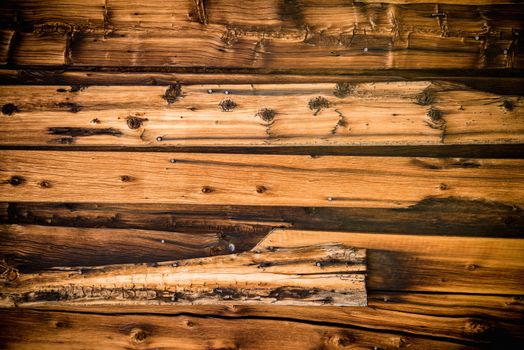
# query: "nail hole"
261,189
207,189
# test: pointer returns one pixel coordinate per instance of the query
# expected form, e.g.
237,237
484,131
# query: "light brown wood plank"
58,330
426,263
342,114
328,274
192,178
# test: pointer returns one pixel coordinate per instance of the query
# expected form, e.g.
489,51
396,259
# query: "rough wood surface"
316,275
395,262
426,263
374,182
268,34
27,329
342,114
482,320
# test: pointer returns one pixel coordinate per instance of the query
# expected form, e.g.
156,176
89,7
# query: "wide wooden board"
342,114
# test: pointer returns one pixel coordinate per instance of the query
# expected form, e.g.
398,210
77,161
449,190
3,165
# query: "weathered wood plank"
191,178
422,263
25,329
508,82
318,275
308,34
426,263
40,246
342,114
471,318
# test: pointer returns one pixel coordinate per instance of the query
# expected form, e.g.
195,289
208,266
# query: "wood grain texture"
422,263
317,275
507,82
61,330
482,320
253,179
295,34
426,263
342,114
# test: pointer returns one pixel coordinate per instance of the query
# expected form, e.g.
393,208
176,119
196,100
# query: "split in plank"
425,263
396,262
317,275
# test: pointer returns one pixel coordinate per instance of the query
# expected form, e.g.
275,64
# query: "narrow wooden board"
186,178
316,275
426,263
266,34
342,114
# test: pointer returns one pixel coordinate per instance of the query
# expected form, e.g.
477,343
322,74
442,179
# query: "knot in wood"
16,180
173,92
227,105
9,109
343,90
477,326
138,335
134,122
266,114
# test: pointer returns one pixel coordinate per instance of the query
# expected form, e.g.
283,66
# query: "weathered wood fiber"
426,263
186,178
507,82
318,275
342,114
27,329
265,34
396,262
482,320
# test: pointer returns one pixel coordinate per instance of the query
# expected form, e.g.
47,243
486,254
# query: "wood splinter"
328,274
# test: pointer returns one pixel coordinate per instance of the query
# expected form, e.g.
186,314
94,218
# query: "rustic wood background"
136,131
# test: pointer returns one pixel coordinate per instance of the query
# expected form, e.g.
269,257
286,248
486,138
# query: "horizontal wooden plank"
426,263
40,246
329,274
498,82
185,178
470,318
342,114
508,82
308,35
25,329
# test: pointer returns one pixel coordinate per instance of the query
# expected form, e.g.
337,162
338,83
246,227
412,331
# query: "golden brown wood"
27,329
342,114
471,318
426,263
319,275
268,34
396,262
192,178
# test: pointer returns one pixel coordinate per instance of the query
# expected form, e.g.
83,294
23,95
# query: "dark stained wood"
508,82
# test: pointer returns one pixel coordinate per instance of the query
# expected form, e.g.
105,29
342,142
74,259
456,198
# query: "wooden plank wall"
147,131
